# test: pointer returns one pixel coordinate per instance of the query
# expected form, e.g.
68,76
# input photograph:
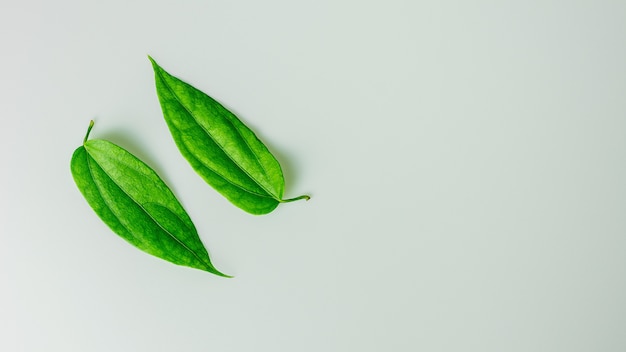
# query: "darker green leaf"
220,148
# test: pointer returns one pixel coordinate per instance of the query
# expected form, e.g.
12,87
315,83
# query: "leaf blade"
137,205
221,149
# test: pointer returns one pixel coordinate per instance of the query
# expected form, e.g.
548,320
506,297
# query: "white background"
466,161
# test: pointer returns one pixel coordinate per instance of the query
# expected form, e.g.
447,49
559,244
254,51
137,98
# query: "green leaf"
220,148
136,204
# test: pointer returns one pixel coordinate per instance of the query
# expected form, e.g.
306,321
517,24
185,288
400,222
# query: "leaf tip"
218,273
155,66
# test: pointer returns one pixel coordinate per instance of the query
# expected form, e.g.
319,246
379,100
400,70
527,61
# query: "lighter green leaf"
220,148
136,204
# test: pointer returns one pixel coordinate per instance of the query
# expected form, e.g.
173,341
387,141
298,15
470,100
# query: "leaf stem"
305,197
88,131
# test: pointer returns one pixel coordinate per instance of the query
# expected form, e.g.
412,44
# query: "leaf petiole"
88,131
305,197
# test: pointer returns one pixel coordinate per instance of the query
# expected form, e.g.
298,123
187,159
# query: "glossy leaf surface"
136,204
220,148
